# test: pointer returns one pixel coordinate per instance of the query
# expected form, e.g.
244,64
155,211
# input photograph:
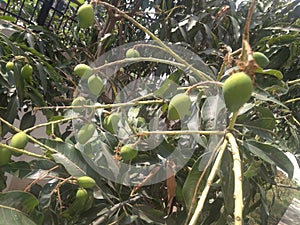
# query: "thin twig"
181,132
106,106
292,82
42,176
50,123
22,151
292,100
217,83
135,60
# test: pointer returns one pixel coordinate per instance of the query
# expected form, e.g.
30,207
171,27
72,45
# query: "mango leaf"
265,96
257,151
19,200
282,39
265,119
10,113
214,118
275,73
190,183
276,155
10,215
169,86
36,97
27,121
19,169
227,181
150,215
264,206
7,18
74,162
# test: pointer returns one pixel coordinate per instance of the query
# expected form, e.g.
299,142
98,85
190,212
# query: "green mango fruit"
128,152
95,85
9,66
110,122
86,182
26,73
85,133
140,121
132,53
237,90
85,15
179,106
19,140
261,59
82,70
79,101
5,155
78,205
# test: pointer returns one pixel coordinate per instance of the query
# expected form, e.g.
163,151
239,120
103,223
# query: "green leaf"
10,113
227,181
190,183
13,216
265,119
8,18
150,215
169,86
75,163
19,82
275,73
36,97
265,96
264,206
282,40
23,201
27,121
19,169
257,151
276,155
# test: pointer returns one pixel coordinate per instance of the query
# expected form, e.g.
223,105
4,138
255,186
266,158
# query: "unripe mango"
5,155
9,66
82,70
86,182
95,85
132,53
19,140
85,15
179,107
26,73
140,121
79,204
128,152
81,195
79,101
237,90
85,133
110,122
261,59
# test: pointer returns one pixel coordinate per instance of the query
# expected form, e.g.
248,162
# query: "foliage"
265,128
